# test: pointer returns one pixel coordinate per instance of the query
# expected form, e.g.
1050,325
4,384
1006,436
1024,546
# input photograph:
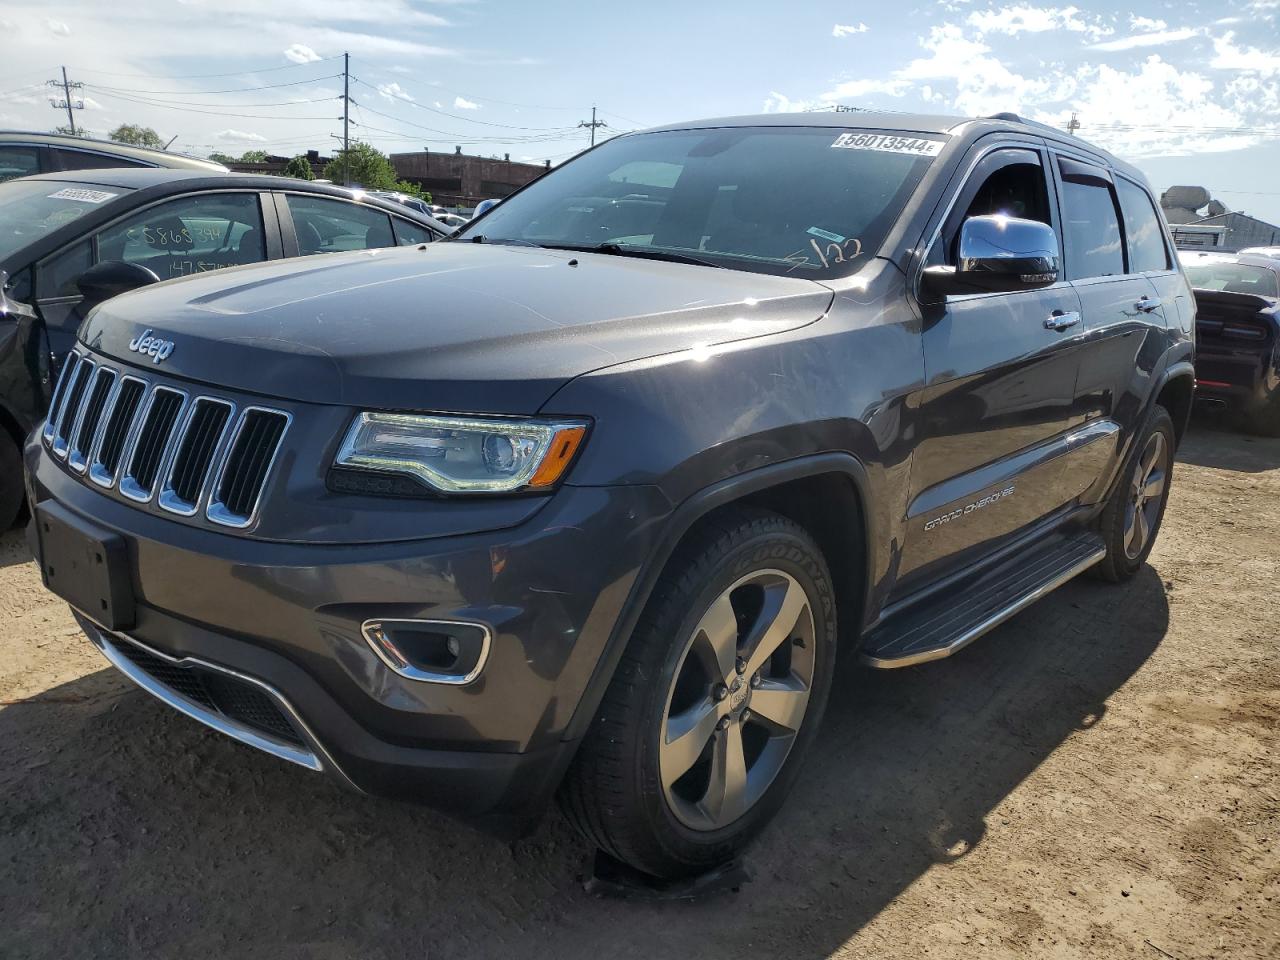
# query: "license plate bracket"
86,565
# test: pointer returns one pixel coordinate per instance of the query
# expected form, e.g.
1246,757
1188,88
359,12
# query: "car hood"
452,326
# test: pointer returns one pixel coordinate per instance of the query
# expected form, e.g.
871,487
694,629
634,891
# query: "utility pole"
346,117
66,100
593,124
1073,124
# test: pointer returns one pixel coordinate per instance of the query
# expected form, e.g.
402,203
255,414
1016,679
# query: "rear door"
1123,311
1000,382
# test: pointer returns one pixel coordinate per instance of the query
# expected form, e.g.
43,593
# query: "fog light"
430,651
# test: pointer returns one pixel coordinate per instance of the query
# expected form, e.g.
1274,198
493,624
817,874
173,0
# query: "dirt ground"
1097,778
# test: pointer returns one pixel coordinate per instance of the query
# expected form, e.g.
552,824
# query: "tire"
624,791
12,492
1128,513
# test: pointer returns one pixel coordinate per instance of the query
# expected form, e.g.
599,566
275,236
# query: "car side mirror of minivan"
999,254
111,278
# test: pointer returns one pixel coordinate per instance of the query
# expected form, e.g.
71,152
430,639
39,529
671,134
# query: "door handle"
1060,321
1147,305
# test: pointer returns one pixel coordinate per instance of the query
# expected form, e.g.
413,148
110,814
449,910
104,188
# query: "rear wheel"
1131,520
717,698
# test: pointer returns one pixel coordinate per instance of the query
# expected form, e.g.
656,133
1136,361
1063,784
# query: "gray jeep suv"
585,499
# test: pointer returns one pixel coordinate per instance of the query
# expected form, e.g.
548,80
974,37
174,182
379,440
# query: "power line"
593,125
188,109
452,116
66,100
210,76
183,93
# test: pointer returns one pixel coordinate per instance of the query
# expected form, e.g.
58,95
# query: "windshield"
1234,278
29,209
815,202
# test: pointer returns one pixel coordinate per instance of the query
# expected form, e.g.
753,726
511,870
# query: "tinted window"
56,276
1233,278
189,235
324,225
1013,189
1141,229
83,160
30,209
1092,231
409,233
18,162
807,201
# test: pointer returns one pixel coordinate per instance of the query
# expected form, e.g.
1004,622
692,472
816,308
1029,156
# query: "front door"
997,409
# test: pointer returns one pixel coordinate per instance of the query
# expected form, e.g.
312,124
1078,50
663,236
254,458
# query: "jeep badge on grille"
149,346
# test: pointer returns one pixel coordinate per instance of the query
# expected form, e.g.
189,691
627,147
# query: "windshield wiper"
627,250
502,241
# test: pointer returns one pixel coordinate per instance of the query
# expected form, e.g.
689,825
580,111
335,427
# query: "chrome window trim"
216,511
59,397
97,472
62,433
128,486
168,500
77,459
410,672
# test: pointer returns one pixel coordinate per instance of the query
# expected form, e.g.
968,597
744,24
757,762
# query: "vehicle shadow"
127,829
1212,441
13,546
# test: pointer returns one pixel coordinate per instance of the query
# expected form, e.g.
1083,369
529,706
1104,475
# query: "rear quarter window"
1147,251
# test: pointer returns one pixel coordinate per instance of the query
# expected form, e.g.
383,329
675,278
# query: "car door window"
1142,231
326,225
18,162
56,276
189,235
84,160
409,234
1092,230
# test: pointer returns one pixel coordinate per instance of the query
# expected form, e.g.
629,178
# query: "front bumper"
288,617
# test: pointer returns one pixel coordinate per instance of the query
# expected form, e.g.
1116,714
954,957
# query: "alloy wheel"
738,699
1146,496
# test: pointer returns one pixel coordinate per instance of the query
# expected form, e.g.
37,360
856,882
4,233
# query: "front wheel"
1132,517
717,698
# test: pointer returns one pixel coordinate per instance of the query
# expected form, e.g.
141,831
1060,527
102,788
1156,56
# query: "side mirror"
999,254
111,278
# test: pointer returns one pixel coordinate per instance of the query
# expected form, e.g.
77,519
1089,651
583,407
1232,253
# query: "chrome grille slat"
149,440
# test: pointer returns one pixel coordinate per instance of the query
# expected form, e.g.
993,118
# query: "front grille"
144,437
240,702
103,382
253,450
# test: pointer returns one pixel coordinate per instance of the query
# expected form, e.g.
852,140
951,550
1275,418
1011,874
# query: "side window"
57,275
410,234
325,225
1141,229
1092,230
83,160
189,235
1010,182
18,162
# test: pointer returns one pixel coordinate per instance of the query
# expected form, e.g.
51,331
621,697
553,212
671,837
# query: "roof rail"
1010,117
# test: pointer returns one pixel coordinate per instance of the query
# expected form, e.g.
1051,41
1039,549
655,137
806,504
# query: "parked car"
1238,335
24,154
583,500
413,203
1271,252
453,220
67,242
483,207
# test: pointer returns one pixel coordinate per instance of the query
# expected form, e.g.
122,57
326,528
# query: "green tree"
253,156
364,166
137,136
219,157
299,167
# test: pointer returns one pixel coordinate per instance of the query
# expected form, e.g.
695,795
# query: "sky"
1188,91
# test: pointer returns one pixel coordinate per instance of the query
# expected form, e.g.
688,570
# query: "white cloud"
462,103
1227,56
240,136
393,91
58,28
780,103
844,30
1147,24
1025,18
1157,39
853,89
301,53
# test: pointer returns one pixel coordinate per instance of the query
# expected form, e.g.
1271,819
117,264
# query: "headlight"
463,454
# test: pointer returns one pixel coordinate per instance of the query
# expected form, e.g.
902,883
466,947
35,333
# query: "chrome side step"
953,619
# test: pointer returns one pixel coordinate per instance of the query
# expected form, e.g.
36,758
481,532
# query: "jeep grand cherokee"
584,500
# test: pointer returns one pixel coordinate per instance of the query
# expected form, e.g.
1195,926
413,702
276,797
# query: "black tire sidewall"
1118,563
12,491
791,551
